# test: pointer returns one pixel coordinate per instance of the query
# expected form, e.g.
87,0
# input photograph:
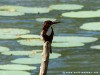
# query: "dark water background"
72,59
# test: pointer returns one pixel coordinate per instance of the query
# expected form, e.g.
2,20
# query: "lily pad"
29,36
39,56
91,26
9,13
39,43
7,36
96,47
44,19
66,7
74,39
4,72
40,10
82,14
8,10
69,44
21,52
16,67
34,10
19,36
26,61
13,31
61,41
31,42
35,59
3,49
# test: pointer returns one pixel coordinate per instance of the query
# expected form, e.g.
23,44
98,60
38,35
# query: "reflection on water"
73,59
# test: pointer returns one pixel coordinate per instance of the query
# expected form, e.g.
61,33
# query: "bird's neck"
49,31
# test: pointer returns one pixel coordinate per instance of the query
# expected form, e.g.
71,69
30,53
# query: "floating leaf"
91,26
3,49
61,41
39,43
40,10
33,42
26,61
21,52
35,59
70,44
66,7
16,67
13,31
82,14
26,36
74,39
8,10
8,13
4,72
7,36
34,10
54,55
44,19
39,56
29,36
95,47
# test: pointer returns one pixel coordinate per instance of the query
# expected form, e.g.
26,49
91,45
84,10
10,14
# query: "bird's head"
49,23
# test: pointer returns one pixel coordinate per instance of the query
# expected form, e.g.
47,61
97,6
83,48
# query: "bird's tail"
50,49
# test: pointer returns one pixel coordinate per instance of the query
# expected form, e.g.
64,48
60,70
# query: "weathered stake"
45,58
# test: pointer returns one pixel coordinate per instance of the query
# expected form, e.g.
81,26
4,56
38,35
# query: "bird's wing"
43,35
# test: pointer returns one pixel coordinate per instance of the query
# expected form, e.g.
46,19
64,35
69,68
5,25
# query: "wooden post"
45,58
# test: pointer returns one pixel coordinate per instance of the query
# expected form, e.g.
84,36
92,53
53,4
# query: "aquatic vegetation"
44,19
35,42
31,42
16,67
29,61
4,49
9,13
5,72
82,14
30,36
21,52
95,47
75,39
10,10
79,52
18,36
40,10
35,59
66,7
72,41
61,41
7,36
15,31
91,26
69,44
39,56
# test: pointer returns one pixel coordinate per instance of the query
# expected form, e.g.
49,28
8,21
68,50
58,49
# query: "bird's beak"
55,22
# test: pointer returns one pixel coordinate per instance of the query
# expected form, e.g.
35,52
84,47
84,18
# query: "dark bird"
47,32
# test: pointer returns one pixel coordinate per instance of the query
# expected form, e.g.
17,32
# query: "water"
75,59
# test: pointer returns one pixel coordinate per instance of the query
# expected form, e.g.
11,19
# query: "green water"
74,59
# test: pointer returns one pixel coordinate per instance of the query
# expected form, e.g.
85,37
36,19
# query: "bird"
47,32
